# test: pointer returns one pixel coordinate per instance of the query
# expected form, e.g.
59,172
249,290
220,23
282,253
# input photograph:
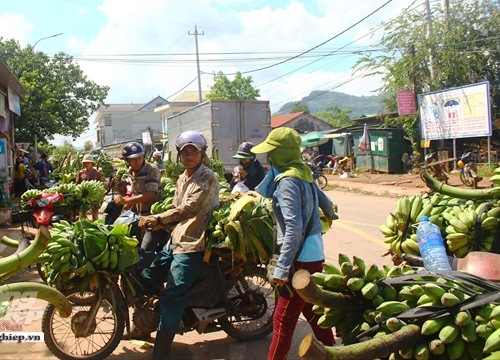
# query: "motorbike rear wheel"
321,181
65,337
465,179
252,317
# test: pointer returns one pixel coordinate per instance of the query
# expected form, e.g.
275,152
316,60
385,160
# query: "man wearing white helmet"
157,160
196,196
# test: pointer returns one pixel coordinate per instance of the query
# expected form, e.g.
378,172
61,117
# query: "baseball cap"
244,151
280,137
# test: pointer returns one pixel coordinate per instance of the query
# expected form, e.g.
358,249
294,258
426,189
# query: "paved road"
355,233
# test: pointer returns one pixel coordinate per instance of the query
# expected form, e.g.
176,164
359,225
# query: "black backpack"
36,166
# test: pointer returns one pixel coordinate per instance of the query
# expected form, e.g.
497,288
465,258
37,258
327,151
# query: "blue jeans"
180,271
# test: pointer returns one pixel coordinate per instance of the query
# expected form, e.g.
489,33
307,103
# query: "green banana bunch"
90,192
399,232
455,334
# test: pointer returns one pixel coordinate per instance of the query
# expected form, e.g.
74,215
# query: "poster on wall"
14,103
456,112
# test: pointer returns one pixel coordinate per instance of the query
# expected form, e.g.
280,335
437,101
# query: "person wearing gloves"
196,196
296,200
249,171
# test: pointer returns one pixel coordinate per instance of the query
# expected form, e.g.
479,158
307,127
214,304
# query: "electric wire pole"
196,33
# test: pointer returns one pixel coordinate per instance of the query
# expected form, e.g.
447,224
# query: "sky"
144,49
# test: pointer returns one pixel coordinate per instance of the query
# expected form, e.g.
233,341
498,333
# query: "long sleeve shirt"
194,200
294,203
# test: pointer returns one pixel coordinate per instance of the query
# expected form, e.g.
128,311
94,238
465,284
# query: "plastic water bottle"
431,246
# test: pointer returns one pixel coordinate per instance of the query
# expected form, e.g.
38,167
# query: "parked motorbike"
468,170
229,295
437,168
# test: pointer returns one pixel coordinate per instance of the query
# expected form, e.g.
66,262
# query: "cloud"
15,26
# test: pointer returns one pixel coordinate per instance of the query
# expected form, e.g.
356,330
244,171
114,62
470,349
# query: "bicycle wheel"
321,181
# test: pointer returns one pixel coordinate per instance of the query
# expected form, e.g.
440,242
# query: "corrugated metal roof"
8,78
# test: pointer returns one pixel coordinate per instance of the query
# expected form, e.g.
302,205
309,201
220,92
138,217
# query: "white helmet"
190,137
157,153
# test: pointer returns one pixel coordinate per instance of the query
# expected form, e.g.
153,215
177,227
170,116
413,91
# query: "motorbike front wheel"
66,337
252,317
321,181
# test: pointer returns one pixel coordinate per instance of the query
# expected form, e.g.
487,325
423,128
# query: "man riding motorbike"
196,196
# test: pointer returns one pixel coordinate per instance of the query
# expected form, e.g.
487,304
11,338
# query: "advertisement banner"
456,113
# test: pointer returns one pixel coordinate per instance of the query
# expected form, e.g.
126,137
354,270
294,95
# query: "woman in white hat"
89,173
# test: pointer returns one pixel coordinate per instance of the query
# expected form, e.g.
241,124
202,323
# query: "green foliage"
60,97
319,100
335,116
299,106
88,145
463,47
240,88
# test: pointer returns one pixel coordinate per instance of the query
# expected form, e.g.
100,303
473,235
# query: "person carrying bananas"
146,191
196,196
89,173
296,200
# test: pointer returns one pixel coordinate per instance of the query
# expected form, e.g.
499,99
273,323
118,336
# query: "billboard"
453,113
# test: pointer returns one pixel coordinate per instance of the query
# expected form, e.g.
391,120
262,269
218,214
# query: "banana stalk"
379,347
28,256
469,194
43,292
307,289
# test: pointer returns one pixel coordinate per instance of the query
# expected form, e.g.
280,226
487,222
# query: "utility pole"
33,68
429,36
196,33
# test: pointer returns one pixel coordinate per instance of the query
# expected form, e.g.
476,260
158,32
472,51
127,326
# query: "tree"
464,48
240,88
60,97
88,145
299,106
336,116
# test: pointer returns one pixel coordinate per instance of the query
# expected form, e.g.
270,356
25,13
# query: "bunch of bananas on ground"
471,227
466,225
458,315
495,179
85,247
400,231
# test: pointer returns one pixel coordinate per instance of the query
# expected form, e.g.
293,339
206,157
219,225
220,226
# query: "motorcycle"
437,168
318,176
228,295
40,211
468,171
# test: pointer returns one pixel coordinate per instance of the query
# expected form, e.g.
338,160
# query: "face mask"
267,186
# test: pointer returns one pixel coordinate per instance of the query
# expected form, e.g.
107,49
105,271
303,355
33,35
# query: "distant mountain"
319,100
